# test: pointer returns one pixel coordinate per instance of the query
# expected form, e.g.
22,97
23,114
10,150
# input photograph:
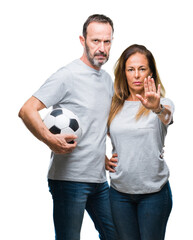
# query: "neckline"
133,103
128,101
98,72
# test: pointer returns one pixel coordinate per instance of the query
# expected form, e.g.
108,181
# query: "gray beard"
94,61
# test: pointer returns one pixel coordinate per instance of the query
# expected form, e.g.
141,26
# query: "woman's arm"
164,113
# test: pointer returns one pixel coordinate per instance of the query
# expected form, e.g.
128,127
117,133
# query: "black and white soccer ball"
63,121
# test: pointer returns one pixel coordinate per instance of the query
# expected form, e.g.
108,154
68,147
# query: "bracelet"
162,109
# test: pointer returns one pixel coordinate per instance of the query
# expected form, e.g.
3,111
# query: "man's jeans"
70,199
141,216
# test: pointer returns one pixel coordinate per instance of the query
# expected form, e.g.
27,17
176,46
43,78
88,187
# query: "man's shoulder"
106,75
66,70
73,65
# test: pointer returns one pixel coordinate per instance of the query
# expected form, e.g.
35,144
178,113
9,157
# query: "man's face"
98,43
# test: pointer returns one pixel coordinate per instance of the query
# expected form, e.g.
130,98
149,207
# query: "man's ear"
82,40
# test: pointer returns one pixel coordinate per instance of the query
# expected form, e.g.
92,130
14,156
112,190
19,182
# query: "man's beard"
92,60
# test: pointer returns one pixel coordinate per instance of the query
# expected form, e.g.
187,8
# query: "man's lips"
100,55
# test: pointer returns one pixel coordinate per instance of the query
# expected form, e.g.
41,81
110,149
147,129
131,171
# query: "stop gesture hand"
151,99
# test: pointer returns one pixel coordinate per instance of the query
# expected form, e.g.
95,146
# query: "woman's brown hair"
121,90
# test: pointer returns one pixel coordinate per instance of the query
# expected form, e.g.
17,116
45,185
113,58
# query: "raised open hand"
151,99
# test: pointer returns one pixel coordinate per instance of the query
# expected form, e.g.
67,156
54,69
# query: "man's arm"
29,113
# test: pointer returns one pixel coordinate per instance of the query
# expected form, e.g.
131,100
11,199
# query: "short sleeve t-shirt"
88,93
139,144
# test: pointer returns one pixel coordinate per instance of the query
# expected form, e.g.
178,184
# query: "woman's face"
136,70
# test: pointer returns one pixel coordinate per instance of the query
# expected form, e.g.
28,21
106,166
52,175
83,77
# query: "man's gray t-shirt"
88,93
139,144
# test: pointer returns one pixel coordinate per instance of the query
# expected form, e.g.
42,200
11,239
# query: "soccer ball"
63,121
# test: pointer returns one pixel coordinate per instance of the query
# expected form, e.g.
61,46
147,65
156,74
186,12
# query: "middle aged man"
77,179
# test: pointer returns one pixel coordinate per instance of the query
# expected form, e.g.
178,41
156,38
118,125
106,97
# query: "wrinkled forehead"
99,30
137,59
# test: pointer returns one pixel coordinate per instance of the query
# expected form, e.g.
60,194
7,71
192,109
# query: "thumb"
140,98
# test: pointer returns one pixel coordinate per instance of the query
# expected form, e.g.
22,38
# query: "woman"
140,115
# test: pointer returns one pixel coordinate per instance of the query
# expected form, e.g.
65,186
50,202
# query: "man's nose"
102,47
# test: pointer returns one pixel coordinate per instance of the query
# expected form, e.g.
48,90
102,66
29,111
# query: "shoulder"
73,64
61,75
68,68
106,76
105,73
108,81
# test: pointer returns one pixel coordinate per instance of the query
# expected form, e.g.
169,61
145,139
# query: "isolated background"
40,36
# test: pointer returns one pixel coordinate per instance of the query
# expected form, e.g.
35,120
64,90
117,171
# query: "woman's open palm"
151,99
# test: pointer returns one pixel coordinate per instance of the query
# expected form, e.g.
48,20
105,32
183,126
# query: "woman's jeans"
70,199
141,216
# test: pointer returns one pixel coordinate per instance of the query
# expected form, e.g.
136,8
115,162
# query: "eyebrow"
99,39
138,67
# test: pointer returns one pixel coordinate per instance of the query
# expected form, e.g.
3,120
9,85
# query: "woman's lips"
137,83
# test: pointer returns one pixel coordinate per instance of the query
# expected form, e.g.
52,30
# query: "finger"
112,164
113,160
111,169
69,136
70,140
159,90
115,155
150,84
153,85
140,98
108,166
71,145
146,89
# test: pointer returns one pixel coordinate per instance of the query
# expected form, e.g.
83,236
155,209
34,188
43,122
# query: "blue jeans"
141,216
70,199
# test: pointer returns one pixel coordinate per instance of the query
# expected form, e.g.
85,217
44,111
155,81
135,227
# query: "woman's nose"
136,73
